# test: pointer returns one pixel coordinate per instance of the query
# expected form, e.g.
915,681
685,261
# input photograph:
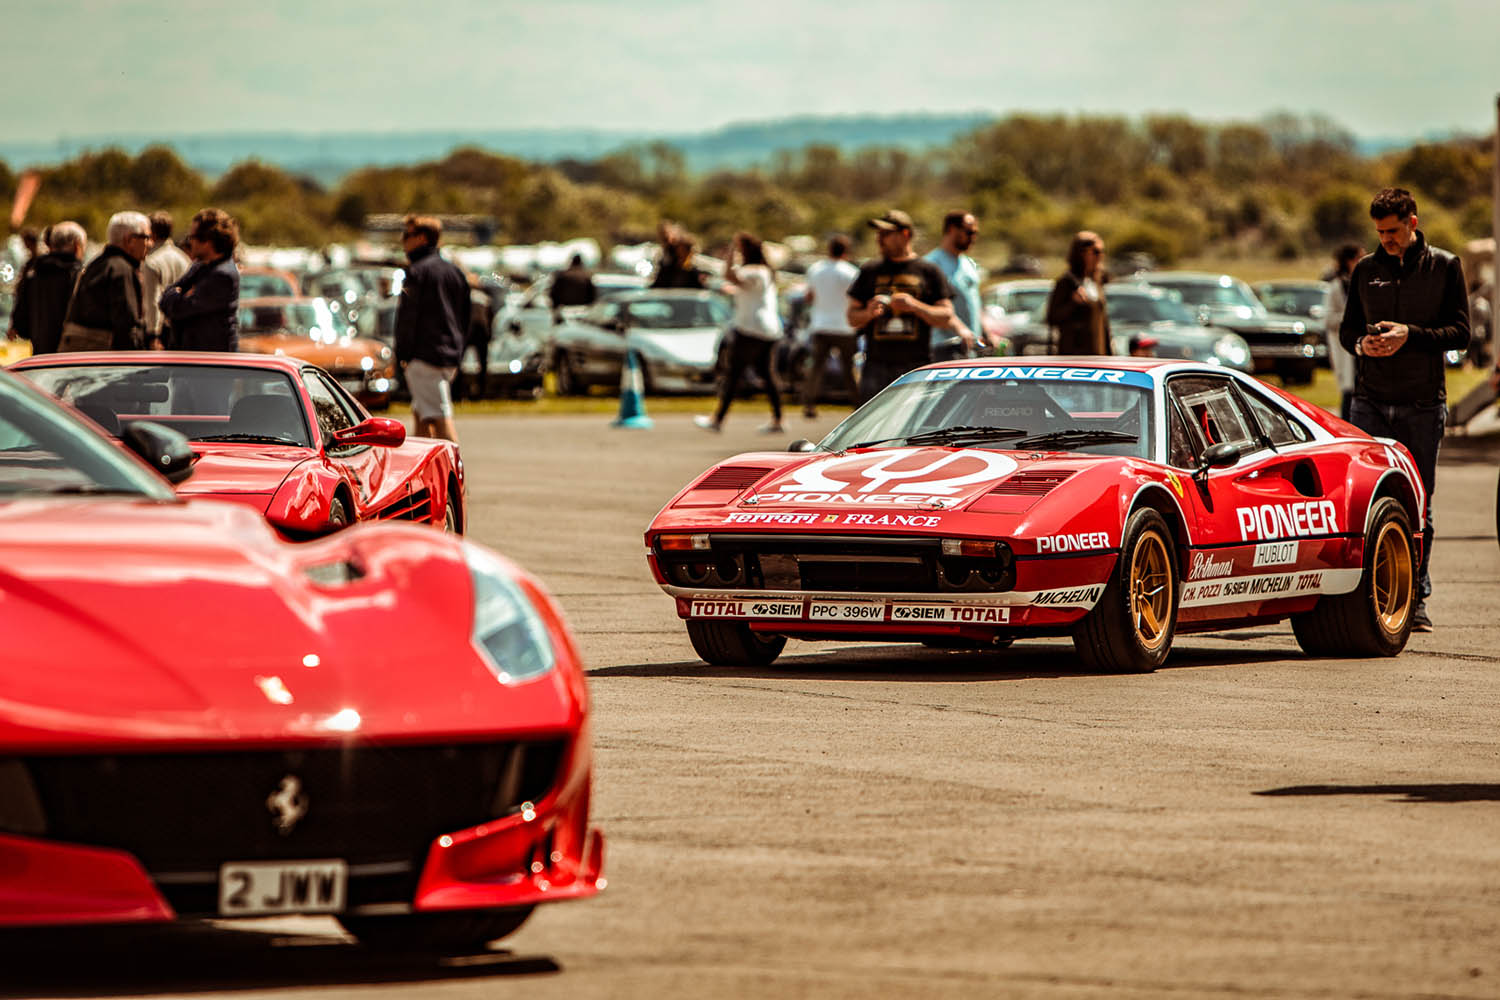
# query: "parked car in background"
264,282
1307,299
676,333
307,329
1283,345
1157,313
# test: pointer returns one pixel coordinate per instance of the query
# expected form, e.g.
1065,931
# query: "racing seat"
273,416
101,415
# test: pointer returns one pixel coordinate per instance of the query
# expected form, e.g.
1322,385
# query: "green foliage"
1341,213
1452,172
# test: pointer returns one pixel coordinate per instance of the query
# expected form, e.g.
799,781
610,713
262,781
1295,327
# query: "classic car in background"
307,329
1283,345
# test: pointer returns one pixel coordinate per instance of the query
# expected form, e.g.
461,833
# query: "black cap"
892,220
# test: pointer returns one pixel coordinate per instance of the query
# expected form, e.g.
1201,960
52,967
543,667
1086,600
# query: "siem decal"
1206,567
1279,520
1276,554
1083,542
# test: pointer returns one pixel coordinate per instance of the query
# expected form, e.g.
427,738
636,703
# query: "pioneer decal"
936,477
1280,520
1270,587
1206,566
1276,554
1027,373
1082,542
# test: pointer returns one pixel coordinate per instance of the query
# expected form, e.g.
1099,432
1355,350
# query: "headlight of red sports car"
507,632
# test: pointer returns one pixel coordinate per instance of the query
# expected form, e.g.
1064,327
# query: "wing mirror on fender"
383,432
162,448
801,445
1217,456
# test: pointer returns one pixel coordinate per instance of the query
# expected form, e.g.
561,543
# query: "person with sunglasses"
105,311
960,229
1075,309
432,318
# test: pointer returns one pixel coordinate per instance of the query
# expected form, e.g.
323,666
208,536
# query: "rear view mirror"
383,432
162,448
801,445
1217,456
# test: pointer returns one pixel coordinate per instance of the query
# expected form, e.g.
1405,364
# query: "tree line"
1285,186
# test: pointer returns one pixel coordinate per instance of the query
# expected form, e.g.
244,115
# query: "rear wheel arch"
1398,488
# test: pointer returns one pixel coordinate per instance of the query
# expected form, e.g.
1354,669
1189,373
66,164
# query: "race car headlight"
507,630
1232,350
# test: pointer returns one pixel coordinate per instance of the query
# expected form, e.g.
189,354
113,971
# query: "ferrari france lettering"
1275,554
1082,542
1206,567
740,517
845,611
893,520
1278,520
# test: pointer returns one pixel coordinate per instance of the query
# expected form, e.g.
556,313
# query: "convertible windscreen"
45,452
675,314
204,402
1007,408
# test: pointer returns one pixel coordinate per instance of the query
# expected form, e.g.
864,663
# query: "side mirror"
383,432
801,445
617,325
162,448
1217,456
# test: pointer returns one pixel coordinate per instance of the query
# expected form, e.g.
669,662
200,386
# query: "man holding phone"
1408,304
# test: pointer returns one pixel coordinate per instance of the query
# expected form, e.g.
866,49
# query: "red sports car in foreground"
275,433
1119,501
200,720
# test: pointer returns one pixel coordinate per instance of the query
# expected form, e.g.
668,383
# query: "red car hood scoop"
917,478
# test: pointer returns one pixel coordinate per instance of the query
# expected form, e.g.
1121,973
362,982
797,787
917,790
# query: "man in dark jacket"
431,320
105,310
203,306
1408,304
43,293
574,285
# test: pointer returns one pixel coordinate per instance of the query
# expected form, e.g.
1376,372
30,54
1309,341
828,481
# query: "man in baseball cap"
894,302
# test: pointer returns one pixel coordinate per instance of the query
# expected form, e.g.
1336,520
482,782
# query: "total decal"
903,476
997,610
1306,518
1270,587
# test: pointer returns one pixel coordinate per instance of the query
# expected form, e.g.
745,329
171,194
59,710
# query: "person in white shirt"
756,328
163,267
828,284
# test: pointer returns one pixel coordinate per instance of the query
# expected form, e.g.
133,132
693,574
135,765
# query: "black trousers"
1420,428
823,345
748,352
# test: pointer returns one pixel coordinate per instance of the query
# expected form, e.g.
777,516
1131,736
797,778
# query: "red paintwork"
294,487
135,626
1094,502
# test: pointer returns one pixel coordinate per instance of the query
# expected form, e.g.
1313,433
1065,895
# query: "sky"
125,68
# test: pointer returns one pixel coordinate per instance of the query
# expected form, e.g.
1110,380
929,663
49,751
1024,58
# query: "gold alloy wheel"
1150,590
1391,574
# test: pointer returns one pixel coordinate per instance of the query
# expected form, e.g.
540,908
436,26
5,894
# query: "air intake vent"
1031,484
732,477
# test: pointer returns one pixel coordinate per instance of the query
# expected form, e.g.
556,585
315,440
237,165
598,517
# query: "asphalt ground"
866,820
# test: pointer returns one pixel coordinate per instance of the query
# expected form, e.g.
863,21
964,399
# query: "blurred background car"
676,333
306,328
1137,309
264,282
1283,345
1307,299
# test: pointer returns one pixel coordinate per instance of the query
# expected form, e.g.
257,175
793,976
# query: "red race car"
1119,501
275,433
389,725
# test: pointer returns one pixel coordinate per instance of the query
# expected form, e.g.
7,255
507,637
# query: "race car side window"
1183,447
330,412
1276,425
1212,413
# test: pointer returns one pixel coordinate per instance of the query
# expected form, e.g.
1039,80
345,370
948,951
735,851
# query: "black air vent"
732,477
1032,484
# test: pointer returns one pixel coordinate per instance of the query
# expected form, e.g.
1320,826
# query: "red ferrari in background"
1116,500
389,725
276,433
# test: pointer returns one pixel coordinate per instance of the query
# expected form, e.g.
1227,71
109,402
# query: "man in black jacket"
431,320
203,306
43,293
1408,304
105,310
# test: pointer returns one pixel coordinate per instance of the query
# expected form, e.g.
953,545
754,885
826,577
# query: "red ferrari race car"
273,432
1119,501
389,725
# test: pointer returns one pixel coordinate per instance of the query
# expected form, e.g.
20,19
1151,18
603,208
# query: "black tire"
338,514
1375,618
451,521
1130,630
568,382
439,932
733,644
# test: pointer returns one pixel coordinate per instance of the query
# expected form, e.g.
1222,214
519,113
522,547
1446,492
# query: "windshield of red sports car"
1017,407
45,451
204,402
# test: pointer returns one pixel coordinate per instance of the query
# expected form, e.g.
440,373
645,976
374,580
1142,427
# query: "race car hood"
913,478
239,469
163,623
683,347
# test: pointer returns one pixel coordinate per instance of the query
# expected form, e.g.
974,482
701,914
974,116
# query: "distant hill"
329,156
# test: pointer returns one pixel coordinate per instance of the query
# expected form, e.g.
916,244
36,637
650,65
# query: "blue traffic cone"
632,396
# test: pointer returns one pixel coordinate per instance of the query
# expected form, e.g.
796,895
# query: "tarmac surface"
872,820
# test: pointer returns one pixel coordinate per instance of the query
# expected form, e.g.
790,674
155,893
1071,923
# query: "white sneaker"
772,429
707,423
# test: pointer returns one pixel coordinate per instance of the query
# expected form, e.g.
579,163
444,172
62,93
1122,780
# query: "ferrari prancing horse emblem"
287,804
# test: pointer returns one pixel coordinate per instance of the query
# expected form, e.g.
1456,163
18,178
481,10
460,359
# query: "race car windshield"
204,402
45,451
994,409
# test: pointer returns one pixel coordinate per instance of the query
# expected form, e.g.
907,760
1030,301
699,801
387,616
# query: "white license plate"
846,611
253,888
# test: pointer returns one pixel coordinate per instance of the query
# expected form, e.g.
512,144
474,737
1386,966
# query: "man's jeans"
1420,428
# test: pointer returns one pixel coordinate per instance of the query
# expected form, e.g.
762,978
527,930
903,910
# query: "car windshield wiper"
89,489
944,435
251,438
1076,435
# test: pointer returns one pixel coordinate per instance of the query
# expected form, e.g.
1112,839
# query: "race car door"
1264,528
360,465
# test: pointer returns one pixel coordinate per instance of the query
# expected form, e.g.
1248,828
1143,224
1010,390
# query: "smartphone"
1374,328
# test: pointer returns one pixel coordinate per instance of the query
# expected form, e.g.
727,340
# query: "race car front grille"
844,564
732,477
1032,483
373,806
415,506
